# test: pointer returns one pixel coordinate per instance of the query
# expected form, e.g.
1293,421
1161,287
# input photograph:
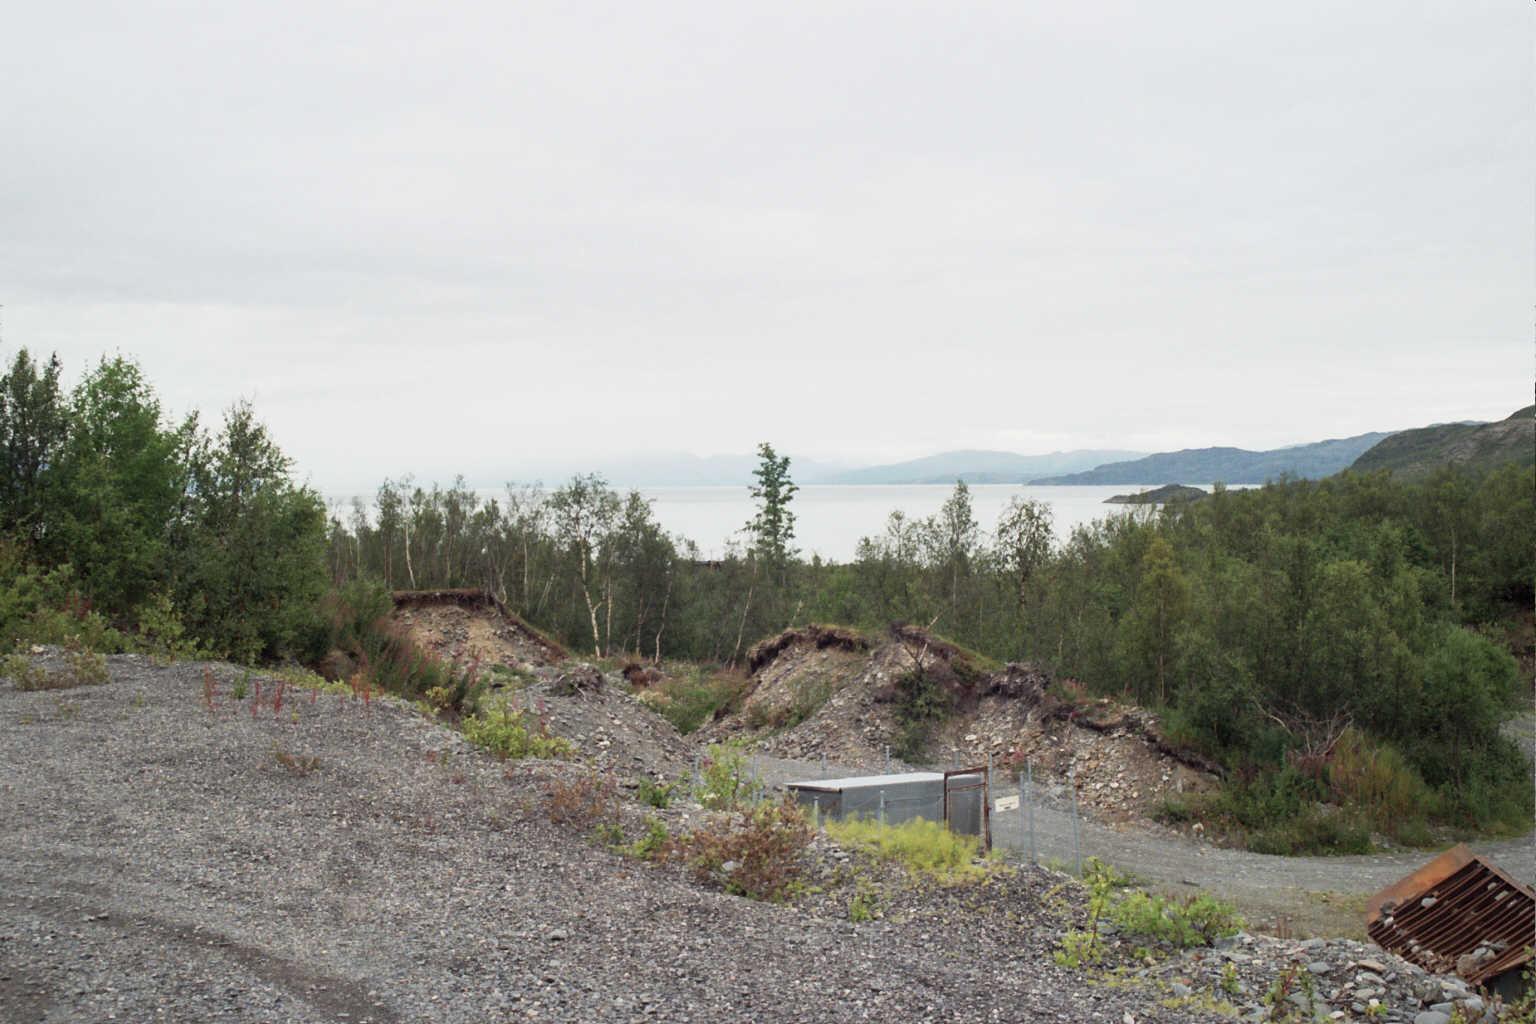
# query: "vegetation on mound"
925,848
725,780
1138,915
689,695
512,734
754,853
943,678
82,667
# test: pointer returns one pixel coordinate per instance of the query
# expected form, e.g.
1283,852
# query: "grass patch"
1172,923
1372,777
82,667
925,848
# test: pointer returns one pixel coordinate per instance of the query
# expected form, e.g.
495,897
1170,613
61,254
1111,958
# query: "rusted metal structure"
1457,914
968,803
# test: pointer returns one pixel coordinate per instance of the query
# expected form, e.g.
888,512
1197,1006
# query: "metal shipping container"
904,797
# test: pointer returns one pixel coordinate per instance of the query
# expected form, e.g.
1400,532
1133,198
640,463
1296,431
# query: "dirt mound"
821,637
597,713
592,709
464,625
812,699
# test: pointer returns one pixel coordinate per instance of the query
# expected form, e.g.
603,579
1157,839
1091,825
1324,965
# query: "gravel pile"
597,712
171,853
1322,979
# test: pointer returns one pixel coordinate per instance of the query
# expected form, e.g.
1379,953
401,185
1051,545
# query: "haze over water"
830,519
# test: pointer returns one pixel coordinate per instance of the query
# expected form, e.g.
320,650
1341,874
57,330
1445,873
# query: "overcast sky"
475,236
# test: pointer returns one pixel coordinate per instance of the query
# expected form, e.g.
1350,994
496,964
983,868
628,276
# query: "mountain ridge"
976,466
1229,464
1420,451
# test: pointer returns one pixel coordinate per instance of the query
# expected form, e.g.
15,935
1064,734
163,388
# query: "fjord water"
830,519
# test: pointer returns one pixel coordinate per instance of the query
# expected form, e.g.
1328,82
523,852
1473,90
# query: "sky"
474,237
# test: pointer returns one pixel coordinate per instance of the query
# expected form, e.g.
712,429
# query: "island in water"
1158,496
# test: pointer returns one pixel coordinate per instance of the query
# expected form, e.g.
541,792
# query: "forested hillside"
1273,627
1475,446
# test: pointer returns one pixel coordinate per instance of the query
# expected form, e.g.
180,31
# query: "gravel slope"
160,861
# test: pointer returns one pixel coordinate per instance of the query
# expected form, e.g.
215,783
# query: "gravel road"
164,860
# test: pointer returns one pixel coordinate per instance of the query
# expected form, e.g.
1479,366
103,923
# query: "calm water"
829,520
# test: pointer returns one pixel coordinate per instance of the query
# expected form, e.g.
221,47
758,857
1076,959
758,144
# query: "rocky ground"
175,853
1260,978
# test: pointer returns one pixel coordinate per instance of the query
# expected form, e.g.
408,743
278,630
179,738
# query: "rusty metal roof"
1457,914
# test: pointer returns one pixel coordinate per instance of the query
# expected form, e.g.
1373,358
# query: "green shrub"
652,844
724,781
81,668
1314,830
925,848
1137,914
1174,810
161,633
921,702
1197,921
754,853
656,794
359,625
26,674
864,904
86,667
508,733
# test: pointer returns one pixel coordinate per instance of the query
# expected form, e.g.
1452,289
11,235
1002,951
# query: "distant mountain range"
1413,453
976,467
1406,453
1229,465
668,469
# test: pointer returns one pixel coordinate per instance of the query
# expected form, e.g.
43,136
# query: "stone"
1432,1017
1320,967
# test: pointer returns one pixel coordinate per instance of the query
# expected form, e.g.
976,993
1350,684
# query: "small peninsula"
1158,496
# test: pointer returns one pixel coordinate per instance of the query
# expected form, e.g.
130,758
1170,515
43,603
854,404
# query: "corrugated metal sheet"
1457,914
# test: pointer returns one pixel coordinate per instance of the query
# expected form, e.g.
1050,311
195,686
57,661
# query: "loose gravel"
171,857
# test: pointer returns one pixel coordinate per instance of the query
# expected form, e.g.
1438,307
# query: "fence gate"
968,802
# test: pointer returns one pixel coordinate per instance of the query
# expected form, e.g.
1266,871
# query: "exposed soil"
592,709
842,692
468,625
